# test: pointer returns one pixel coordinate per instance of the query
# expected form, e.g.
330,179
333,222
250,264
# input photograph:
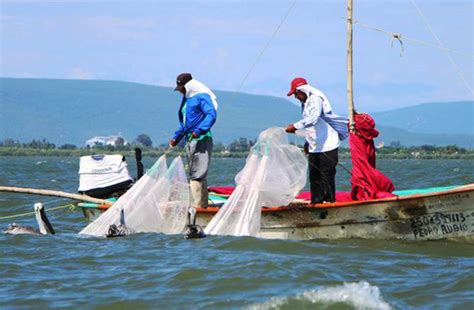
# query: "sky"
244,46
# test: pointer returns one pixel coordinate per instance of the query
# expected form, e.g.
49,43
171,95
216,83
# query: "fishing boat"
422,214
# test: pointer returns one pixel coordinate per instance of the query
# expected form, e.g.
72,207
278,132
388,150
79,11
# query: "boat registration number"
439,224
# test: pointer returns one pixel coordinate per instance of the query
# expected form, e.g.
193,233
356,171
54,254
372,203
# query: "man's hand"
173,143
290,129
195,135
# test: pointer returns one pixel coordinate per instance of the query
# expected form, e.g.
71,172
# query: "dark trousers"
322,176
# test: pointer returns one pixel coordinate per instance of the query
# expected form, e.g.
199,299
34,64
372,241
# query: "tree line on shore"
142,141
237,148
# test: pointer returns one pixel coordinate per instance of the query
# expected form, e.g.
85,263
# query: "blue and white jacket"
197,112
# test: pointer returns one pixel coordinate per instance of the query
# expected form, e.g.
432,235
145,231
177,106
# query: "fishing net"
158,202
274,174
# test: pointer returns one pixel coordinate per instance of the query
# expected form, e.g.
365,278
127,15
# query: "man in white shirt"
322,140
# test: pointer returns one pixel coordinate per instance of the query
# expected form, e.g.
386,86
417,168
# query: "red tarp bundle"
367,182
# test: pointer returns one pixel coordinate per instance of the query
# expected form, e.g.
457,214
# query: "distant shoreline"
385,153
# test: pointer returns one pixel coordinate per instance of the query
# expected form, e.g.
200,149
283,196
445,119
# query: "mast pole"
350,96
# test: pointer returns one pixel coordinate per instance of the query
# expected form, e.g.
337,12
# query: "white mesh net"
274,174
158,202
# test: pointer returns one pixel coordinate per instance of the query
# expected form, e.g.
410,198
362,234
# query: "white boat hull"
445,214
441,215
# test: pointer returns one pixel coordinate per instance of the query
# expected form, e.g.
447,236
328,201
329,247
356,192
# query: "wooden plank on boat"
46,192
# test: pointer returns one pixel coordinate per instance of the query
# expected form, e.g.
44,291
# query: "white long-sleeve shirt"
320,136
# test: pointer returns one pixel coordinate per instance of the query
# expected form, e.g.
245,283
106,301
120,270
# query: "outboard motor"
193,231
103,176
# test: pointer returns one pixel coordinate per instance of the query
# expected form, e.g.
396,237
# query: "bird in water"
44,225
120,230
193,231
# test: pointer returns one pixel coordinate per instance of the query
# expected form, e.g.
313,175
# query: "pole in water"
138,159
193,231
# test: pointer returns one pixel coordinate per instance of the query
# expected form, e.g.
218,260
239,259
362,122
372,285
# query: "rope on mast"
257,59
396,35
461,74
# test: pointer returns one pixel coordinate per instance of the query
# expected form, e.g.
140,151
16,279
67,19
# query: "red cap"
297,82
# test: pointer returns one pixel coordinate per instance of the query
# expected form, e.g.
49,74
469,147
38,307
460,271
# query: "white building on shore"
106,140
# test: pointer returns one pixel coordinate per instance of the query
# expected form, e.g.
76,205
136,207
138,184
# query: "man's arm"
313,111
179,134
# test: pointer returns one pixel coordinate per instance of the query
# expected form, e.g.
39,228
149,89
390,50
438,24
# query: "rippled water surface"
158,271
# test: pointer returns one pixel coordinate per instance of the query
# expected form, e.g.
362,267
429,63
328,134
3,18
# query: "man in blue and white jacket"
323,130
197,114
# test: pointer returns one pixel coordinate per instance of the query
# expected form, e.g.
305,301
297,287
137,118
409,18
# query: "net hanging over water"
274,173
158,202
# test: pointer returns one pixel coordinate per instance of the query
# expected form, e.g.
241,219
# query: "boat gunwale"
302,205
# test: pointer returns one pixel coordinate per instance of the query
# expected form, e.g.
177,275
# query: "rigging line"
396,35
257,59
70,206
461,74
338,164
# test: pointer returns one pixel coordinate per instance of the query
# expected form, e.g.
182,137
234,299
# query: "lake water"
168,272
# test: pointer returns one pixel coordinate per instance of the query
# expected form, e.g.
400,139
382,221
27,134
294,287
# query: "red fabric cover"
381,195
344,196
304,196
366,180
340,196
222,190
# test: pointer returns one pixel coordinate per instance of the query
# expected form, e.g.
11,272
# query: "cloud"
80,74
27,74
226,26
220,41
47,1
195,44
112,27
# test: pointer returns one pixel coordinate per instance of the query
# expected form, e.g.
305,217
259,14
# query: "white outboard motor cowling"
101,176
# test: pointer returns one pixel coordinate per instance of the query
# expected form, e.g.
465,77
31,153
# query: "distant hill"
432,118
72,111
407,138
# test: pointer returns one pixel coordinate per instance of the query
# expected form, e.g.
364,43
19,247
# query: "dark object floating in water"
120,230
44,225
193,231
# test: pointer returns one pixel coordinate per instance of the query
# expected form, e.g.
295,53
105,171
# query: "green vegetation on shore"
237,149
